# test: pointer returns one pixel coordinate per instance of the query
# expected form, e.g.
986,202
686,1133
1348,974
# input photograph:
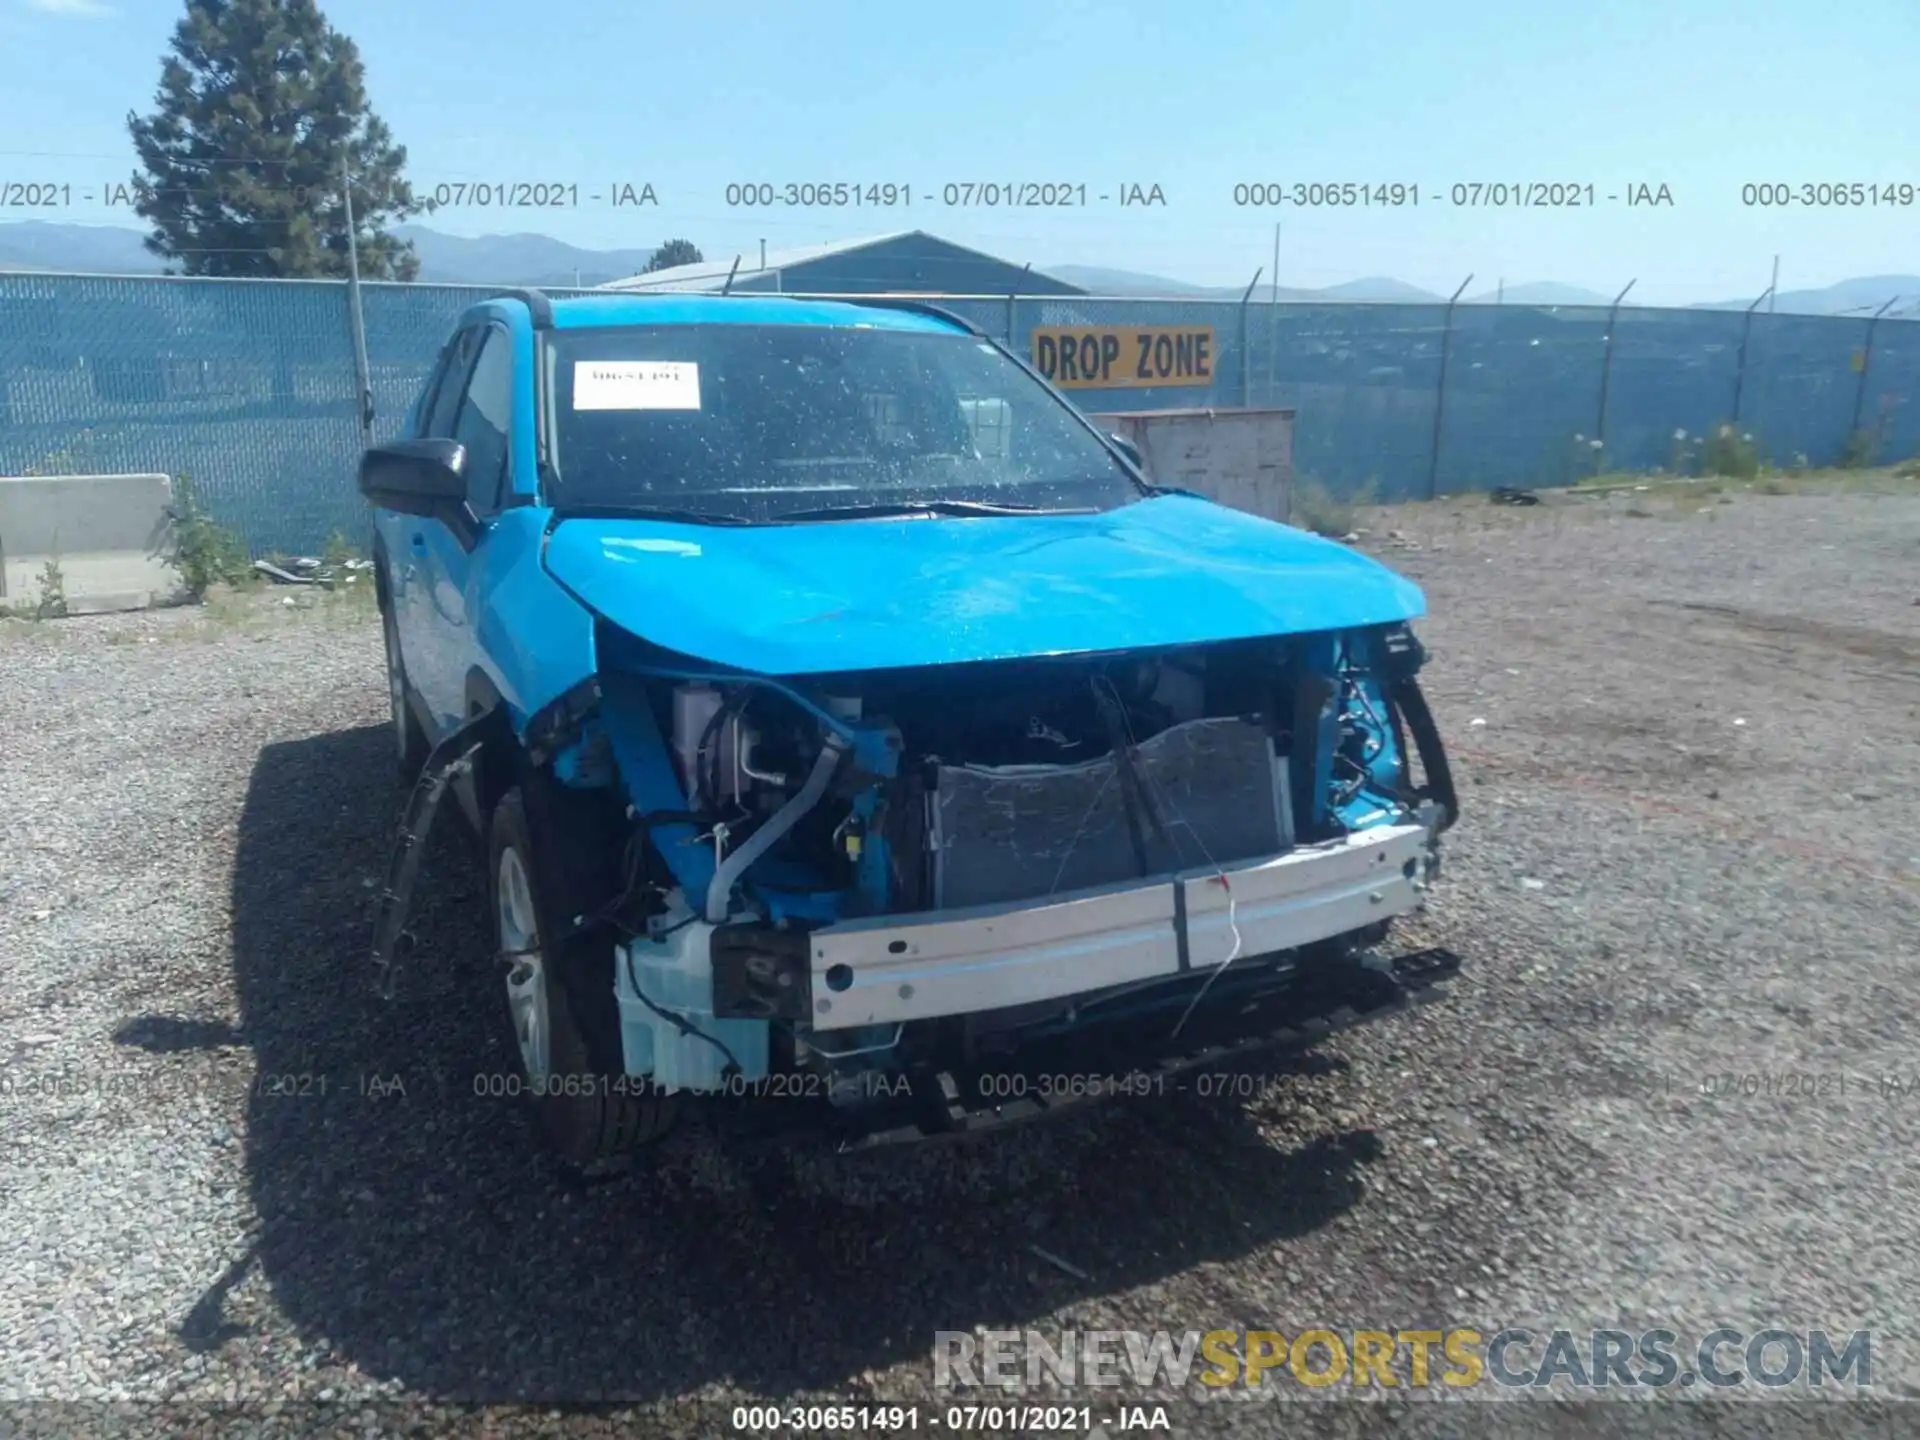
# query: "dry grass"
256,611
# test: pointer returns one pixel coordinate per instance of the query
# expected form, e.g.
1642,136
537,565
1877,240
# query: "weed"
339,551
49,603
1314,507
1862,450
1731,453
53,591
1586,459
206,553
1684,455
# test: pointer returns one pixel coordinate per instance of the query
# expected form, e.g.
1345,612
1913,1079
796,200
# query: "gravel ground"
1690,749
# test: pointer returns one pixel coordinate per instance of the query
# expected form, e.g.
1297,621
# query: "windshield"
759,422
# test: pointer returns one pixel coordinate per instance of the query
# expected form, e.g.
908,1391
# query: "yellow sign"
1124,357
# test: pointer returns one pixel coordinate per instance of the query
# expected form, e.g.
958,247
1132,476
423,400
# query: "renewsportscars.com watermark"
1722,1359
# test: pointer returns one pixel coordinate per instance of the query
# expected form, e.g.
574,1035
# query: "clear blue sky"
1701,95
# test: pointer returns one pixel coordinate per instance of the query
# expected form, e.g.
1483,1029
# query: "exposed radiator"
1019,832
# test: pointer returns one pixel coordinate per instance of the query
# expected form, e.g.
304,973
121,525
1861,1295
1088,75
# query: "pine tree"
674,252
259,104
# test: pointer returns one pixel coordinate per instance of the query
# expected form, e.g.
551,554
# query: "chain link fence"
250,388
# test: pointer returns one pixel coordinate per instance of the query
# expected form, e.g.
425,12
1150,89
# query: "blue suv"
862,744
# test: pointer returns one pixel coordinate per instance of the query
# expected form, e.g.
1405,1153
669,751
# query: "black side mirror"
415,477
421,477
1132,451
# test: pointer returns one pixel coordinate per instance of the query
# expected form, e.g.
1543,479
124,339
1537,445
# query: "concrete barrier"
111,536
1242,458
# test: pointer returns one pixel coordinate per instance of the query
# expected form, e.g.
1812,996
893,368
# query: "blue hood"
890,593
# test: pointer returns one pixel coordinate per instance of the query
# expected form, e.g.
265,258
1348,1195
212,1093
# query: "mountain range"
1859,296
528,259
1100,280
444,259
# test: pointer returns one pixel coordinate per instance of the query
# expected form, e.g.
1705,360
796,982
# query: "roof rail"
534,300
918,307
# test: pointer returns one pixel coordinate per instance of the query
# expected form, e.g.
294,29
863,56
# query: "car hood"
885,593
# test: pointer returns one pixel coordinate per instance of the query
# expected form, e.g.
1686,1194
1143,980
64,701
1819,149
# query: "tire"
560,1009
410,742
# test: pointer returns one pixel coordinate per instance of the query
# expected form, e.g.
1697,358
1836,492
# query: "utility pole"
1273,320
1246,348
363,371
1440,393
1606,369
1866,360
1740,365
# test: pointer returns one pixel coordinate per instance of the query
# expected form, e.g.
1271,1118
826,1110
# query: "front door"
473,407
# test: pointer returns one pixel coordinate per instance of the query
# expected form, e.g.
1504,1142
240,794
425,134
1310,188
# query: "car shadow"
405,1215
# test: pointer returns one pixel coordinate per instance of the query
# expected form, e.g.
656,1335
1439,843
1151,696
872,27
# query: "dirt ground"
1676,1085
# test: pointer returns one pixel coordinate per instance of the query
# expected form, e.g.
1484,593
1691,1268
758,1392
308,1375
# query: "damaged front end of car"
921,900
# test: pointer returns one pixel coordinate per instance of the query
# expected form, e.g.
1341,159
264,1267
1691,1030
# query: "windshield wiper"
648,512
926,507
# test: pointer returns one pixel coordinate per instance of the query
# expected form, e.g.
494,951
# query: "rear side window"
483,422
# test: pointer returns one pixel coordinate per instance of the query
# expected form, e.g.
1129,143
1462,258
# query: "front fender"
534,641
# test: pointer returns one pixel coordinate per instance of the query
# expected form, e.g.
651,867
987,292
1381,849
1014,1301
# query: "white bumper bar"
880,971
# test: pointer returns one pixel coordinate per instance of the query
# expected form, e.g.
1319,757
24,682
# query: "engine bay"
1005,766
766,811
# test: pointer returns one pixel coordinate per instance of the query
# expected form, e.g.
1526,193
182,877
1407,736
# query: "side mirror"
1132,451
422,477
416,477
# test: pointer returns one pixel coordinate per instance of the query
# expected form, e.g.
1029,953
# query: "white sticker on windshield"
636,385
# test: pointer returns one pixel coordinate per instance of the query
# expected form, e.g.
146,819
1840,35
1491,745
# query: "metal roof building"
906,262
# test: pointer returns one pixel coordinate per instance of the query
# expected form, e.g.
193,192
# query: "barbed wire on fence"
251,385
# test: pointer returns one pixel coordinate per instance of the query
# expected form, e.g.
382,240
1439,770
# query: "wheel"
409,740
560,1004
